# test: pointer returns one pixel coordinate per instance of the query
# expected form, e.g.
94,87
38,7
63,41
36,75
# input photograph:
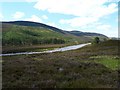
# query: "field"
93,66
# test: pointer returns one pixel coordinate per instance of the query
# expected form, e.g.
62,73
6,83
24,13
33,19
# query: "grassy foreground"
94,66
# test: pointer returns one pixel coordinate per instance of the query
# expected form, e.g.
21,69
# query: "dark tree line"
32,41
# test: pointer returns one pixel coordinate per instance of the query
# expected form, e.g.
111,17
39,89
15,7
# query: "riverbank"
47,50
15,49
34,48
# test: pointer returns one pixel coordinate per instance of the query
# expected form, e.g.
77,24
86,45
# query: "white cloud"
104,10
113,32
18,15
76,7
85,11
44,17
79,21
104,27
34,18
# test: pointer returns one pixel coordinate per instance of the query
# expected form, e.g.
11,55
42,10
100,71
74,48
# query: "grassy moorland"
93,66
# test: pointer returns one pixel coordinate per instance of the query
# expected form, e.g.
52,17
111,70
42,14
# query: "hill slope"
35,24
88,34
29,33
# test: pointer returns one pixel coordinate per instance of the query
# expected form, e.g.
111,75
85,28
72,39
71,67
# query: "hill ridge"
37,24
29,33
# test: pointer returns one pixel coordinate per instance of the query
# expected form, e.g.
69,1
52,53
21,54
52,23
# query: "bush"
96,40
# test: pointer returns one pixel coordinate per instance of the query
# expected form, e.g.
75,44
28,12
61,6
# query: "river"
73,47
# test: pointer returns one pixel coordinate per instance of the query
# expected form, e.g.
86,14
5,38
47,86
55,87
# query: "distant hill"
87,34
29,33
35,24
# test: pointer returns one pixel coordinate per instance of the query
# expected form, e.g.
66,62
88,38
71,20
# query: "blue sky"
99,16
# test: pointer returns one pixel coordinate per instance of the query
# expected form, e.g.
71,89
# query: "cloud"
79,21
18,15
44,17
112,32
85,11
98,27
77,7
34,18
104,27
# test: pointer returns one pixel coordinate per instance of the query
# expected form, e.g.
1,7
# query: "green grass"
111,62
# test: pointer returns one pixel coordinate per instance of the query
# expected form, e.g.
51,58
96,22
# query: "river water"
49,51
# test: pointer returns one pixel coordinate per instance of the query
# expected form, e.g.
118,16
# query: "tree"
96,40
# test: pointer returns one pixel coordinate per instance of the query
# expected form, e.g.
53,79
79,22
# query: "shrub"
96,40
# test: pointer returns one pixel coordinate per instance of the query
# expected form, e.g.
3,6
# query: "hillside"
88,34
31,33
35,24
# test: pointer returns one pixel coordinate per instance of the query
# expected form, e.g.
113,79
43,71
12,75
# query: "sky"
100,16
